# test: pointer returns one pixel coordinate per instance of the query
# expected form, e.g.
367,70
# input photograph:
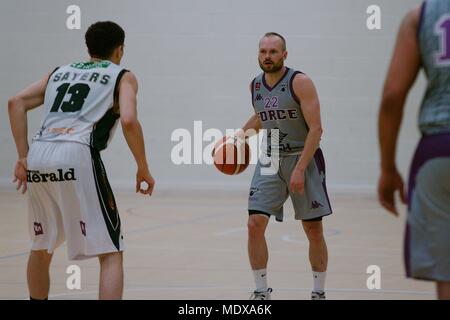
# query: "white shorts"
69,198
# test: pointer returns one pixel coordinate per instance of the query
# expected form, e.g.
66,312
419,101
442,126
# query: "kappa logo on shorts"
38,229
316,205
34,176
253,191
83,228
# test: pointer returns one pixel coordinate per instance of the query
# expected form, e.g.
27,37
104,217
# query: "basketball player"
286,105
423,41
69,196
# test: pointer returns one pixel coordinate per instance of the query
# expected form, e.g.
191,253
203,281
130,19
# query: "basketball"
231,155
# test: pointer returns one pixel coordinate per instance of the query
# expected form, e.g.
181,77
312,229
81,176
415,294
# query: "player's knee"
110,258
314,233
255,227
41,255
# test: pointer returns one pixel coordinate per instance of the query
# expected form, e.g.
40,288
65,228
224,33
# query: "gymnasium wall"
194,60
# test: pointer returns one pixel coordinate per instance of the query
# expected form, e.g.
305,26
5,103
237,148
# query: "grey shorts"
269,192
427,240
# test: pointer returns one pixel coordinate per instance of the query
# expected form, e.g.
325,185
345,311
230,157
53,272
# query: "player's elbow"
13,102
128,122
16,105
393,94
317,129
320,131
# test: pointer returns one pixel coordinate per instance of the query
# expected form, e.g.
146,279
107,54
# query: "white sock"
260,279
319,281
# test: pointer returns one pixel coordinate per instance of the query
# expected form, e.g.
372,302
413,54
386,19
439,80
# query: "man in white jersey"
69,197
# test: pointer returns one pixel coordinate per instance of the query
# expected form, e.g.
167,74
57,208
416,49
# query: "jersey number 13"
78,94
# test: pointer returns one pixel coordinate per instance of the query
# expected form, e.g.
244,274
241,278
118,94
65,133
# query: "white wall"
194,60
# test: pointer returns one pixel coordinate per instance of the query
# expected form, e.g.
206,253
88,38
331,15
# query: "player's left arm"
306,92
405,66
18,106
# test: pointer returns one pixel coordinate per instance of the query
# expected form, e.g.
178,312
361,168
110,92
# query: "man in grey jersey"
423,42
287,107
69,196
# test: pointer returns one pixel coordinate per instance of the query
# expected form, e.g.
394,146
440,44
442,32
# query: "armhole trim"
54,70
421,18
116,88
291,87
253,92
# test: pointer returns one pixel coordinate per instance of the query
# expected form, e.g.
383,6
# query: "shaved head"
279,36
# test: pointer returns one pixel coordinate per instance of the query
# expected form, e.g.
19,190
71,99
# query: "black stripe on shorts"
106,198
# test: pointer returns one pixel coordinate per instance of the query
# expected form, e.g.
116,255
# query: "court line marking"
327,232
289,238
245,289
367,251
137,231
14,255
173,224
230,231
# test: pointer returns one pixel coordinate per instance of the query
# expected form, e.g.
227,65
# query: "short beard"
275,67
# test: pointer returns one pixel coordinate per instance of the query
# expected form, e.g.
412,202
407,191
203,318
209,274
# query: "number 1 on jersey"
442,29
78,94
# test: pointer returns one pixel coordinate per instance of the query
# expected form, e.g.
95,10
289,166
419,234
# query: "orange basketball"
231,155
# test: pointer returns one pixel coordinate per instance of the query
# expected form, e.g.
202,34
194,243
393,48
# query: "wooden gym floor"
192,245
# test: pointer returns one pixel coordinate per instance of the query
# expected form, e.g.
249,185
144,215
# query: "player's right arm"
251,127
18,106
132,130
405,65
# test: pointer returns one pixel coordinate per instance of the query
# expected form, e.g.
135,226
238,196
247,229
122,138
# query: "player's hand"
20,174
143,175
297,183
388,184
240,135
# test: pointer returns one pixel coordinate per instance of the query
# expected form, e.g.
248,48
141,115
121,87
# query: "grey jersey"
79,104
434,42
278,108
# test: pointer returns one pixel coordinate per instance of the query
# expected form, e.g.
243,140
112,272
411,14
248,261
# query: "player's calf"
111,276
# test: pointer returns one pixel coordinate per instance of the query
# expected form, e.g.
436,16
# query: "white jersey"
79,104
